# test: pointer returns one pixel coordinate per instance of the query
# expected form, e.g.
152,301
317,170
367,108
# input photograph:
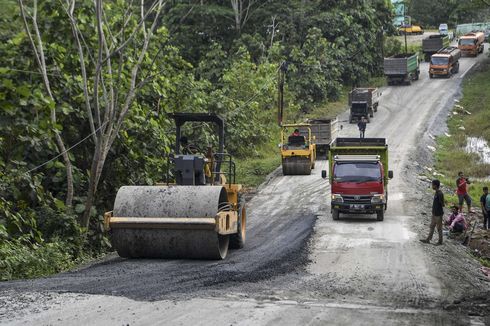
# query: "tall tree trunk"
41,61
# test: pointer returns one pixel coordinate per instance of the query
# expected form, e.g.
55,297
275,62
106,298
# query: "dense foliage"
431,13
206,56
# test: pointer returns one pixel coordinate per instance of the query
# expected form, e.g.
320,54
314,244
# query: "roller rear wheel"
237,241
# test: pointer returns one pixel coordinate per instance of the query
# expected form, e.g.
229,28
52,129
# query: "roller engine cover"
189,170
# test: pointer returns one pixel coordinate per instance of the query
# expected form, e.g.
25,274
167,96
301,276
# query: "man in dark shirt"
484,208
437,213
362,127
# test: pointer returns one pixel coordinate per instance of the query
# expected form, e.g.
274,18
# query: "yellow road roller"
198,216
298,150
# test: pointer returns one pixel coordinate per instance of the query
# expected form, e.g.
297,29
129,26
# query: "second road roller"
298,149
199,216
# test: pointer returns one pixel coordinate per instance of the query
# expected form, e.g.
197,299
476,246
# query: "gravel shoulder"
299,266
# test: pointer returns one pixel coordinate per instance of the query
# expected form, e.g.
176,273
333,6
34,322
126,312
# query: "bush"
20,259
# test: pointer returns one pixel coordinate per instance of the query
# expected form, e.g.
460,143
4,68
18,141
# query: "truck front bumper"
360,208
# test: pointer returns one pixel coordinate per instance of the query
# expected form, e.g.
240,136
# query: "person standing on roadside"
462,191
485,208
437,213
362,127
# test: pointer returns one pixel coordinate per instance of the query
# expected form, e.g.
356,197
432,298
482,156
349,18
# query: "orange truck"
445,62
472,43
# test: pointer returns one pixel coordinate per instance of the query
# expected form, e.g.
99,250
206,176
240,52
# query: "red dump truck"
472,43
358,174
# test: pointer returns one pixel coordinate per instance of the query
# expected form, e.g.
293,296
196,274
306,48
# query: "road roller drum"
172,222
296,166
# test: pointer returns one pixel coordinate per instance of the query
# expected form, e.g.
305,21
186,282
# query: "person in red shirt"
462,183
296,133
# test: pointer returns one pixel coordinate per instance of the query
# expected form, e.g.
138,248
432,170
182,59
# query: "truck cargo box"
434,43
324,130
365,95
401,64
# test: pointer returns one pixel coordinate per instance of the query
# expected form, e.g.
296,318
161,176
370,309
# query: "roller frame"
219,223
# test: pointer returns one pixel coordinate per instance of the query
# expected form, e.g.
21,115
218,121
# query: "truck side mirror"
324,174
390,174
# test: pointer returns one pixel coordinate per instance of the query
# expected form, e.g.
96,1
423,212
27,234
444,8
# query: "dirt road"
299,266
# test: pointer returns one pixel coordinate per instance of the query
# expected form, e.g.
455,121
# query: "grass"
251,172
451,156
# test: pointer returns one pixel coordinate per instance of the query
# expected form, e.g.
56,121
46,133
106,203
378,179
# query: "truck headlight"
337,198
377,199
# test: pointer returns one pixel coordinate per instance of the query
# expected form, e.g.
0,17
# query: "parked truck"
432,44
324,131
363,102
411,29
472,43
402,68
358,175
445,62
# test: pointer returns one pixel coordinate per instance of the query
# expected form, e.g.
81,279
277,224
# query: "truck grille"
357,199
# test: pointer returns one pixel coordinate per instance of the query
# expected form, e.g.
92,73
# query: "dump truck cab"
472,43
358,174
445,62
298,152
443,29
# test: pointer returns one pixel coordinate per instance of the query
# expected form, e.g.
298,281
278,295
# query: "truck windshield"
466,41
439,61
356,172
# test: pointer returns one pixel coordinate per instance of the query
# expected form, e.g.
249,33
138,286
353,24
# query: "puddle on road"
478,146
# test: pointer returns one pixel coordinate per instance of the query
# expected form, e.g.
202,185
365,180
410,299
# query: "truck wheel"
380,215
431,76
376,107
335,214
417,75
350,119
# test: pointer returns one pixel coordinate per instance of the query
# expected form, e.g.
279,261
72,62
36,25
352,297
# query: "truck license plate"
357,206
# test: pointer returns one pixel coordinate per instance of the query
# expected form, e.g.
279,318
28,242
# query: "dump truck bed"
434,43
364,95
400,64
324,130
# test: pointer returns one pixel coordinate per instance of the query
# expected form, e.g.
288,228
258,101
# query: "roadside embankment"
464,147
